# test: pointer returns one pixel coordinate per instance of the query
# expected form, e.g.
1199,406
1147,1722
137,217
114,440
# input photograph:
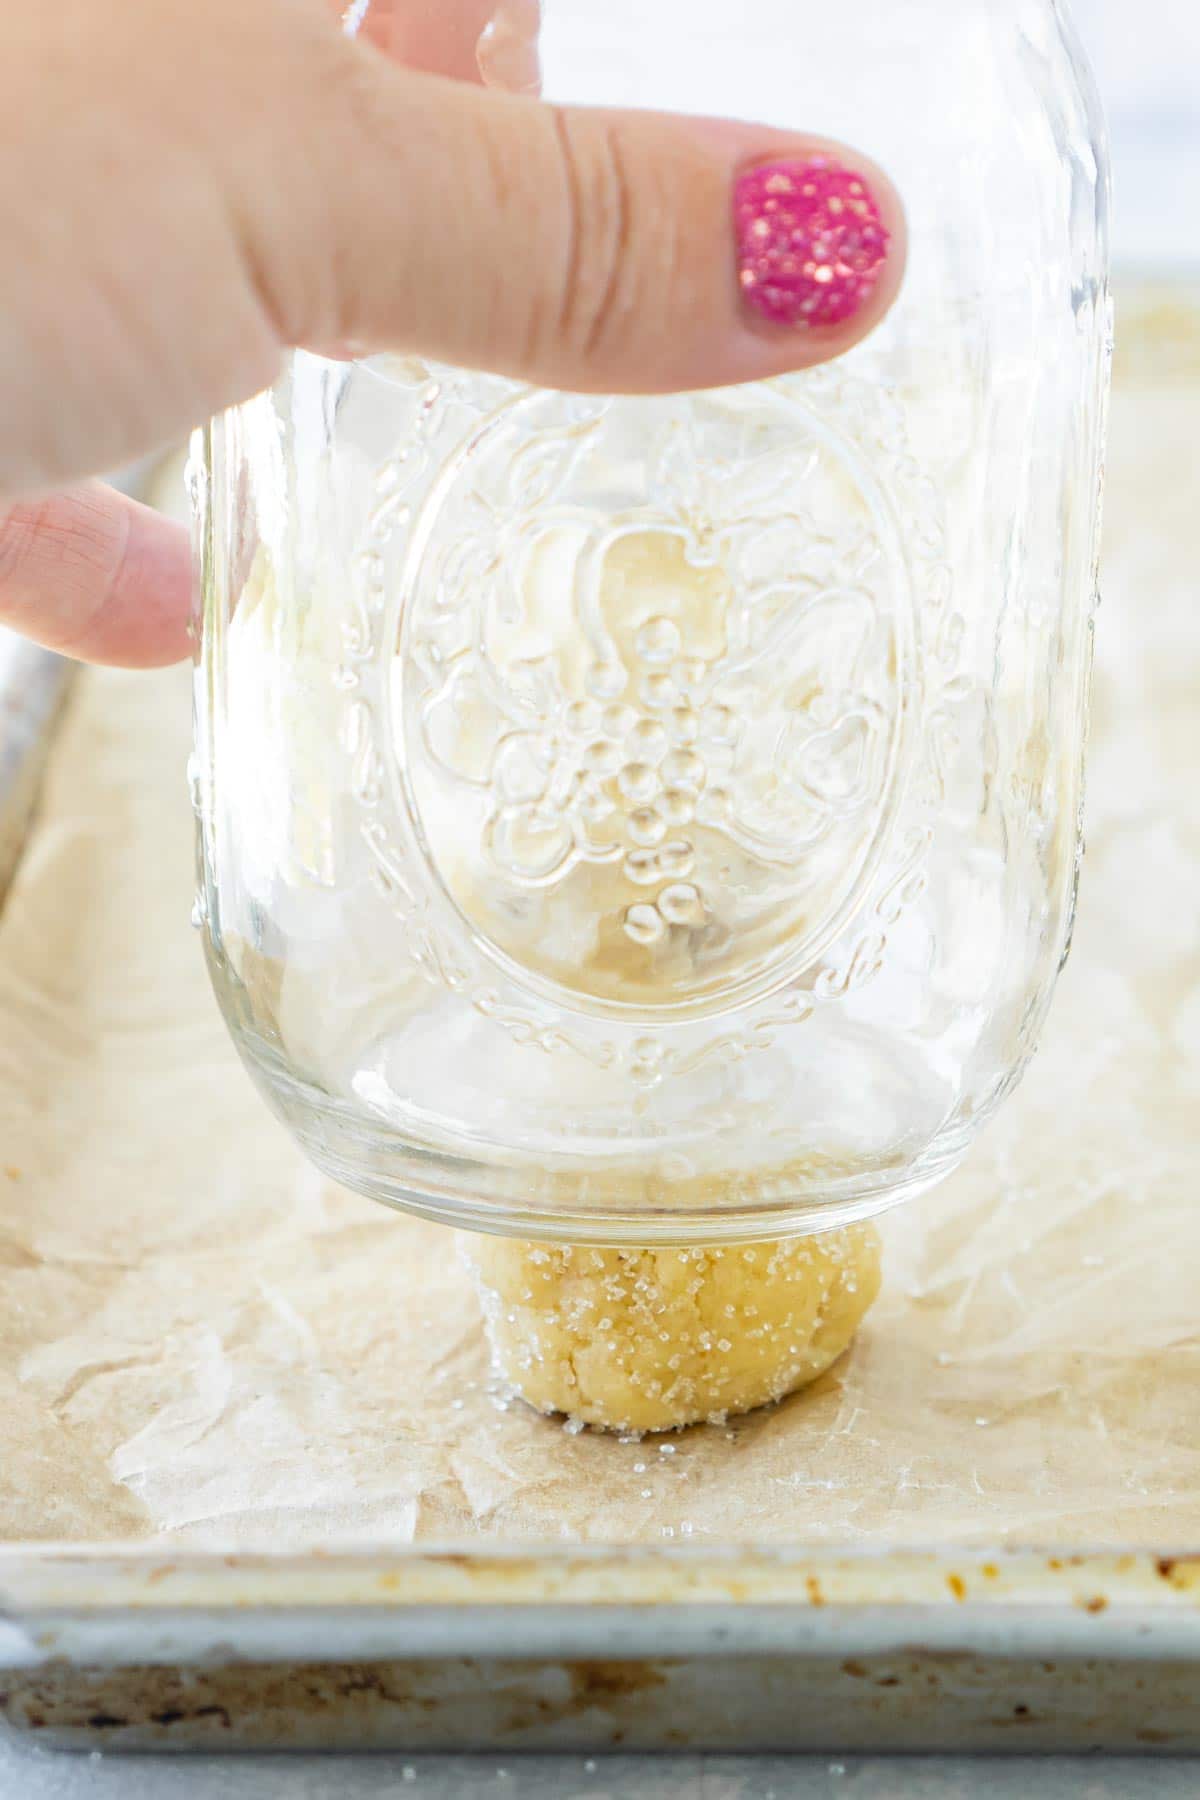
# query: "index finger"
98,576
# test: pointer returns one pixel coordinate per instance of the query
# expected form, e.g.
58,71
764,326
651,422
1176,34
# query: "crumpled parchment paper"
200,1338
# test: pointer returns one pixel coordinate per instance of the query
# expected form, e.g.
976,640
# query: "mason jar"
634,820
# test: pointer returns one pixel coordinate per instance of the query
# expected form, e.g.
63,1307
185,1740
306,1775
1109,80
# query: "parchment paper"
199,1338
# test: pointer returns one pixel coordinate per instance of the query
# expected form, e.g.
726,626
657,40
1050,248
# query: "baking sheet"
203,1343
33,687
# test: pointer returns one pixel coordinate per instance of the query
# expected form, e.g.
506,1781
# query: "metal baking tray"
583,1648
602,1649
33,688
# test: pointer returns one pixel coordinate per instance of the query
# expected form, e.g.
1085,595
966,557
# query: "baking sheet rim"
147,1606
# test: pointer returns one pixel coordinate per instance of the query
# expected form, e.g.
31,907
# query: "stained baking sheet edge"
105,1609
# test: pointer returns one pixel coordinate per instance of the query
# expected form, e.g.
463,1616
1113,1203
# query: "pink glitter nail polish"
810,241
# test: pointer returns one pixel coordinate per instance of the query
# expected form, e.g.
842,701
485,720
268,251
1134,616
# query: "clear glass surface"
650,819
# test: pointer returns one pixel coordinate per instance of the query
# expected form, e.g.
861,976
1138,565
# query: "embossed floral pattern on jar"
672,726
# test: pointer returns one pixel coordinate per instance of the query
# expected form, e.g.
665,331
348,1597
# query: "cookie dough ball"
654,1339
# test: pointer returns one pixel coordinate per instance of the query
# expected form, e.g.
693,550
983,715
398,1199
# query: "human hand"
186,192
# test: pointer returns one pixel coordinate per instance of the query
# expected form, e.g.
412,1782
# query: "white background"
1146,57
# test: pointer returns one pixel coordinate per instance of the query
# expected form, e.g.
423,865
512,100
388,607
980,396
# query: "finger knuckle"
599,277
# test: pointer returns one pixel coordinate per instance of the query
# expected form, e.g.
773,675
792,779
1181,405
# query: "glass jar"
637,820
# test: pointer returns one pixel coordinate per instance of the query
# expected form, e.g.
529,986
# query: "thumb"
581,249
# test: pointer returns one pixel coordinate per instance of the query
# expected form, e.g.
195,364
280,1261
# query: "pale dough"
654,1339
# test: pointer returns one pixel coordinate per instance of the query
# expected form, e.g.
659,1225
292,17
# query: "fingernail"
810,241
508,53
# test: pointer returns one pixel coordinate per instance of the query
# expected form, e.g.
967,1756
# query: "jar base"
566,1200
